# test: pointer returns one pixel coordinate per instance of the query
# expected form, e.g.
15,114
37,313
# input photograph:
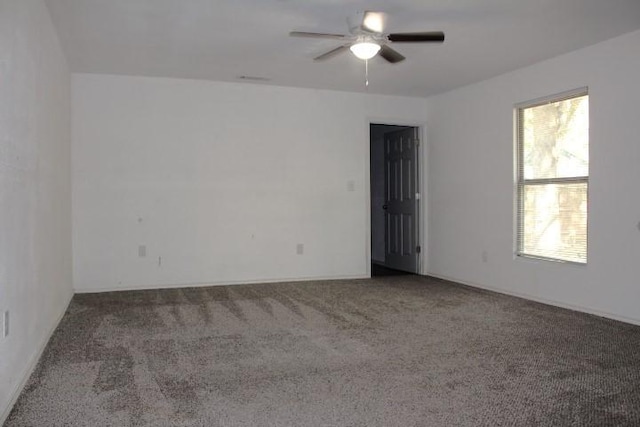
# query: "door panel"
407,236
401,159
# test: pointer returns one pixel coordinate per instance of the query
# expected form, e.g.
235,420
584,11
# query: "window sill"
536,259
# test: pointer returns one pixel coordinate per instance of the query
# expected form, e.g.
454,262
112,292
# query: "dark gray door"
401,182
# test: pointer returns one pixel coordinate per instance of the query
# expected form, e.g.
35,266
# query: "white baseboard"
588,310
81,290
31,365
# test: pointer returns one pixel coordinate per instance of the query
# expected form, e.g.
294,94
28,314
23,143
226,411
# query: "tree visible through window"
553,177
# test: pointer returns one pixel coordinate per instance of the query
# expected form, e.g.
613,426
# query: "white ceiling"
221,40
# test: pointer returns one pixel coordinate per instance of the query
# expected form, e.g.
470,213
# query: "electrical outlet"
142,251
485,256
5,324
300,248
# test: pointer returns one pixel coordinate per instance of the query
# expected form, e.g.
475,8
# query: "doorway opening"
395,199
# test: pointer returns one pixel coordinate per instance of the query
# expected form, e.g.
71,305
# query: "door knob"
385,206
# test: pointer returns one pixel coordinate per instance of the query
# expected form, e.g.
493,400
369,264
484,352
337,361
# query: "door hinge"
417,142
418,249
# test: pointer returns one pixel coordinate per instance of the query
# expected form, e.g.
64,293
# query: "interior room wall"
471,182
180,182
35,189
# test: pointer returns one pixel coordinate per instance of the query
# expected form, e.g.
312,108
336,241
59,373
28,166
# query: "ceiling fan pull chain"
366,73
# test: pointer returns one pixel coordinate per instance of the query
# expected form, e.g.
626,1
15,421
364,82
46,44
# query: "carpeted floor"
393,351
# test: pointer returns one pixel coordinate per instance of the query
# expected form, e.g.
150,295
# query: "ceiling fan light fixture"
365,50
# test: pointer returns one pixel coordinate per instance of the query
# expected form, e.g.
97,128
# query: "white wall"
220,181
471,175
35,188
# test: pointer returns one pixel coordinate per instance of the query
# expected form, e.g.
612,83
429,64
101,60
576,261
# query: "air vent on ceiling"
254,78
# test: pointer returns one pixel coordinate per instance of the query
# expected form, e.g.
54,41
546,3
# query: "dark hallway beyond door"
395,197
378,270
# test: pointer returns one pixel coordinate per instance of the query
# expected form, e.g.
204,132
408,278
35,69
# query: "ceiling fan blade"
373,22
331,53
431,36
390,55
317,35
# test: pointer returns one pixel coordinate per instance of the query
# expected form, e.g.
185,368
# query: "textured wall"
35,187
471,176
220,182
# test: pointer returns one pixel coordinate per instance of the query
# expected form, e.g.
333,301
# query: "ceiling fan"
367,38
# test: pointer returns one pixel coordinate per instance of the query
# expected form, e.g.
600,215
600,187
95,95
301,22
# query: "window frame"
521,182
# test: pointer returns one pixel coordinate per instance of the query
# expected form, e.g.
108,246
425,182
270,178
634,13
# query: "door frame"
422,219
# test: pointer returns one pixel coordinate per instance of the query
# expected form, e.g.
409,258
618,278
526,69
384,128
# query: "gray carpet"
393,351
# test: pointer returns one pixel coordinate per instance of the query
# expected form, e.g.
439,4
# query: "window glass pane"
554,223
556,139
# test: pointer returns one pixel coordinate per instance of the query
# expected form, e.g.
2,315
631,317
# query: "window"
553,177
